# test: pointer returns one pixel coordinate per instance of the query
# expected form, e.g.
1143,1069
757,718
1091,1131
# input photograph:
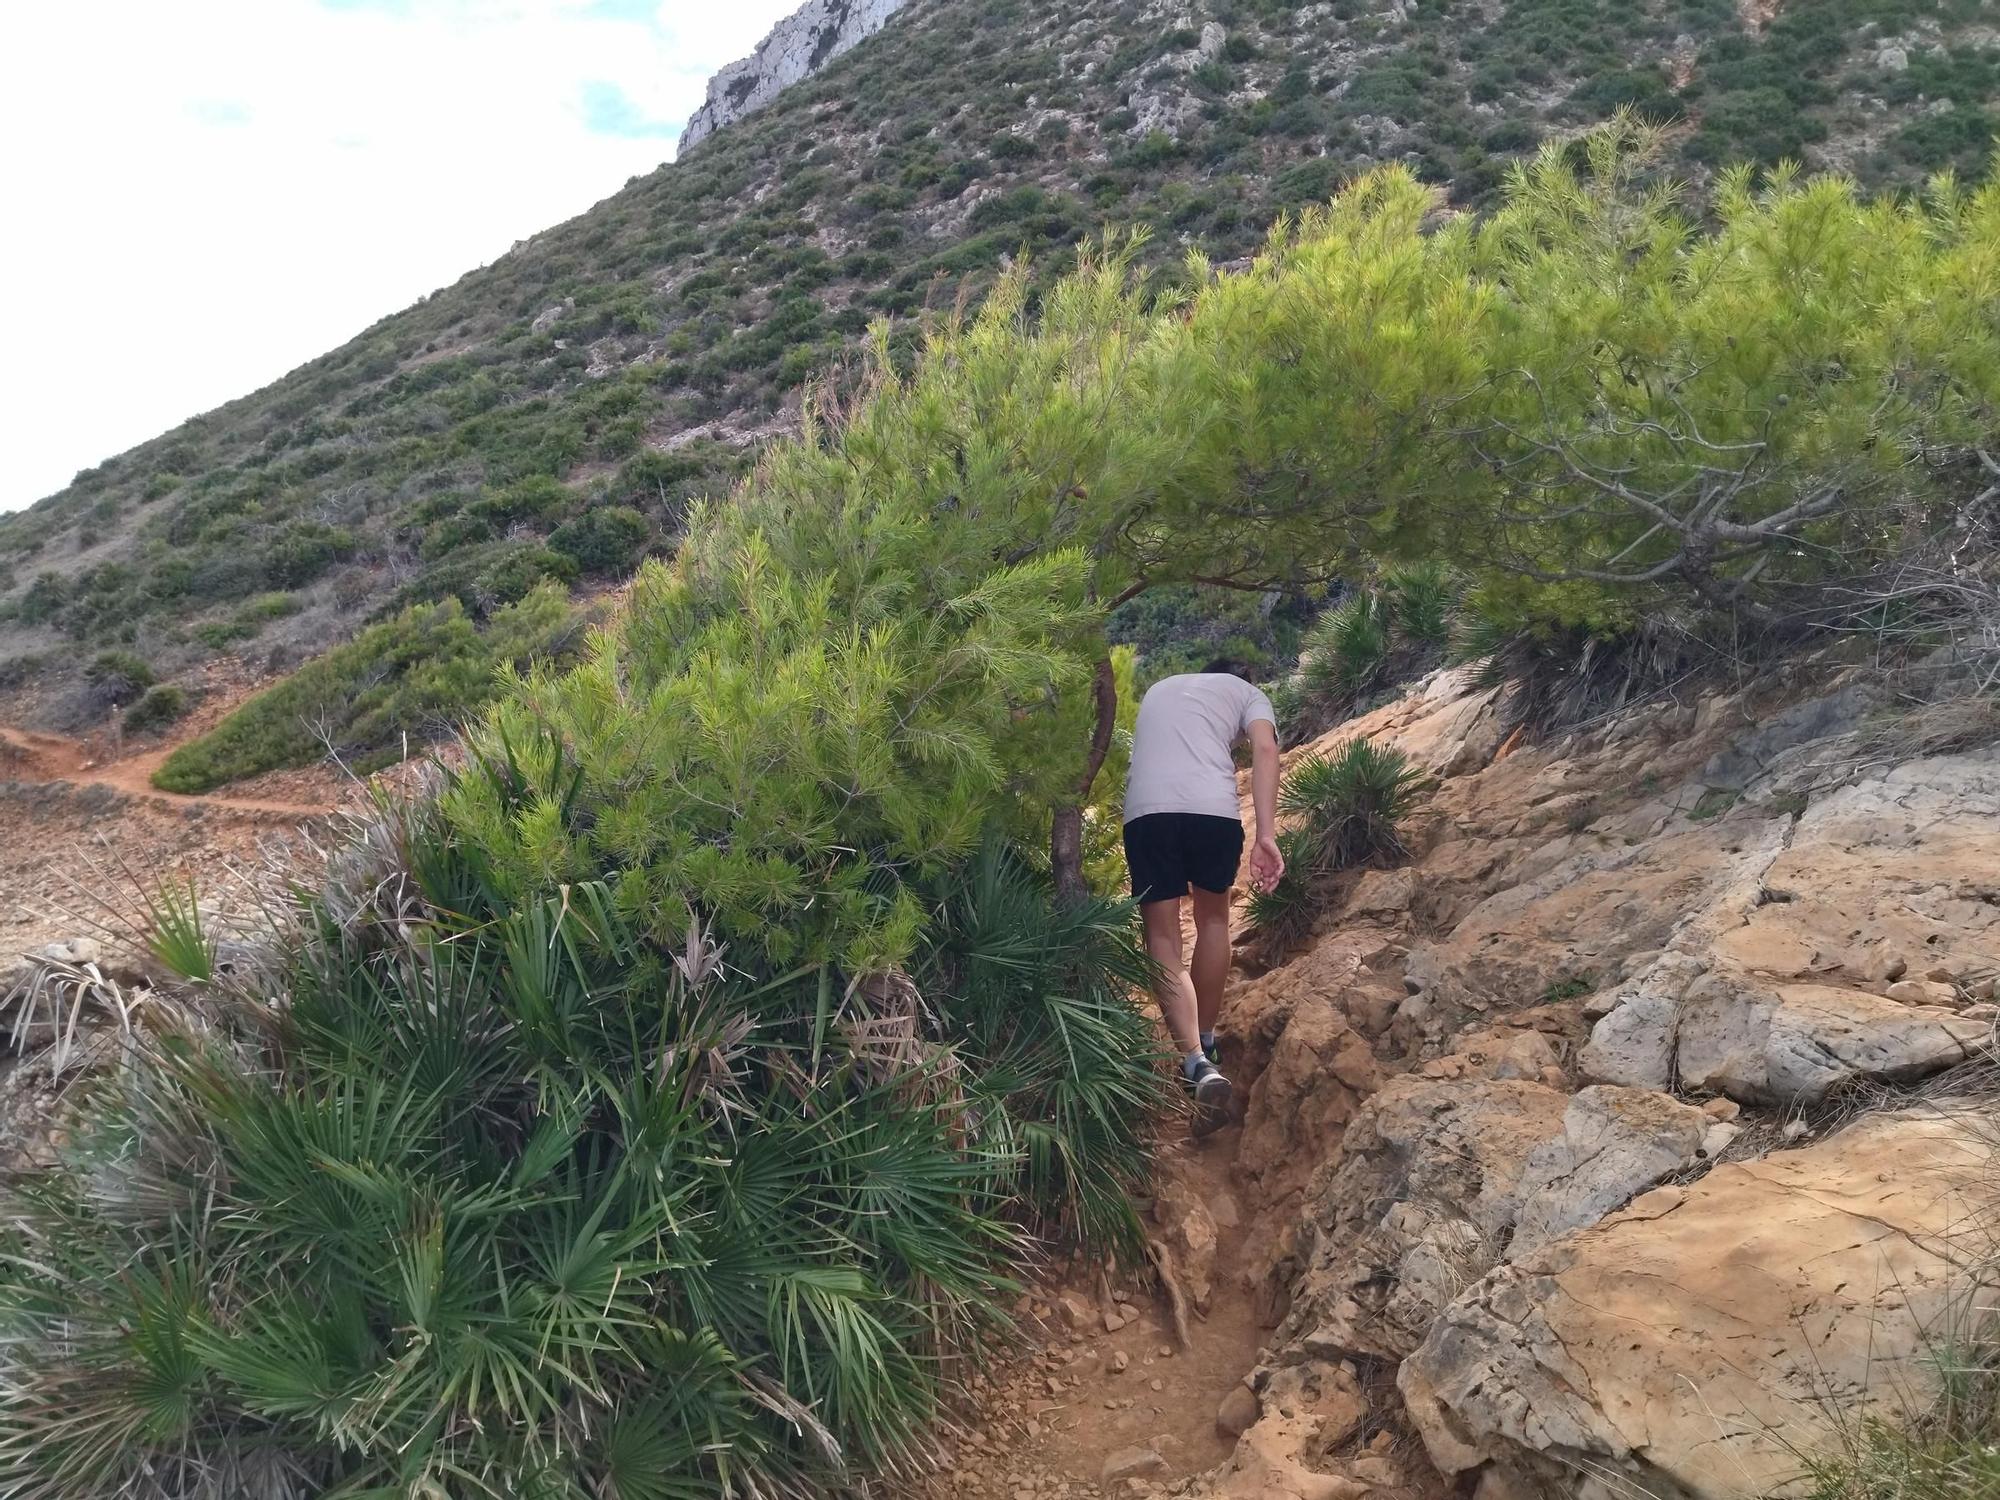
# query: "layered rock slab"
1698,1342
1439,1180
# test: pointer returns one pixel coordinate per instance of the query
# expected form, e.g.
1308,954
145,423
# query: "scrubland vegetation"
665,1104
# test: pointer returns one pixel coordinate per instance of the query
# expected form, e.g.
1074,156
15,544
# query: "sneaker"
1214,1051
1211,1098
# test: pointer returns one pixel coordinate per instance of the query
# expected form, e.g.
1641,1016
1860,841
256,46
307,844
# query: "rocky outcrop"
1440,1180
1780,1044
1614,1143
1421,1202
1701,1341
1745,907
799,46
1852,957
1300,1059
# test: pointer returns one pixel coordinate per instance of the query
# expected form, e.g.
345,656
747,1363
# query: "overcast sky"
202,194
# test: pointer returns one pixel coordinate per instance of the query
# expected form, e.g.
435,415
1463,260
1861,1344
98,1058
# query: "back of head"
1229,666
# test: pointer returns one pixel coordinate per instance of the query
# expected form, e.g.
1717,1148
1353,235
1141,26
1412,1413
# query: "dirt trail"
35,755
1094,1386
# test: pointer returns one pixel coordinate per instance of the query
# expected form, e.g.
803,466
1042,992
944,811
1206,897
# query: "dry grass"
1944,1444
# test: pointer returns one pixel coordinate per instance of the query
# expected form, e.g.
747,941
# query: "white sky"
200,195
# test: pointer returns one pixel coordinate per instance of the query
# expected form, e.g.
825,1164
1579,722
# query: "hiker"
1184,831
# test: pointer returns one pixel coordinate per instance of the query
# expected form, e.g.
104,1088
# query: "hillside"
551,416
694,1084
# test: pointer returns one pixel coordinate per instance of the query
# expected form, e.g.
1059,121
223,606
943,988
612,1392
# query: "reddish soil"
1047,1421
85,832
37,756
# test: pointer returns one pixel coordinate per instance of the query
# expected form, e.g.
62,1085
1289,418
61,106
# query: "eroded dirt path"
1108,1379
38,756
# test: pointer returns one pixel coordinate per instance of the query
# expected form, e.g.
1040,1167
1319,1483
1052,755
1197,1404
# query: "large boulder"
1422,1200
1633,1043
1697,1343
1779,1044
1762,1042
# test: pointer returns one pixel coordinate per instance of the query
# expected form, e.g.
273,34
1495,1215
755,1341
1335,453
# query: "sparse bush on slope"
414,677
157,707
1349,802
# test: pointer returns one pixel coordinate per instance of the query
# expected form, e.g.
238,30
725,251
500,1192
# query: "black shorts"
1168,852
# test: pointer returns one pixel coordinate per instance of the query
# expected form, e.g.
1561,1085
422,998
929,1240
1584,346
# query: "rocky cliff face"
1612,1144
798,46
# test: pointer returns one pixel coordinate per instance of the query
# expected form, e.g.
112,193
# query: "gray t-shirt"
1180,747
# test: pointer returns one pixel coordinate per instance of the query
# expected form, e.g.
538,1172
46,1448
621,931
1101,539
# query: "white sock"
1191,1064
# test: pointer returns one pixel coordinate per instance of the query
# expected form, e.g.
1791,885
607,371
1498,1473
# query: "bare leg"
1210,969
1173,990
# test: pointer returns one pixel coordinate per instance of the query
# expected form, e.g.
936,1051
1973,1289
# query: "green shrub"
16,671
574,1213
1349,801
413,676
1421,599
1344,651
119,674
160,706
604,539
1284,914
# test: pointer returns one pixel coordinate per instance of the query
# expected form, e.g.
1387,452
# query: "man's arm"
1267,865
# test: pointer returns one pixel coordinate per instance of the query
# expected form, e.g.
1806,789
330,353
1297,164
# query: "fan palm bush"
505,1200
1341,657
1284,913
1421,599
1349,801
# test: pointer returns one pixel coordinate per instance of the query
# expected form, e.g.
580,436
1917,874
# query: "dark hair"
1230,666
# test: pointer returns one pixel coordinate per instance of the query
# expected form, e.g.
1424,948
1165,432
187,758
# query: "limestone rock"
1255,1015
1238,1412
1328,1394
1188,1227
1784,1043
1496,1053
1213,39
1753,754
1422,1200
1696,1342
1615,1143
1132,1463
1634,1043
1589,910
1307,1410
1320,1069
1169,111
1922,992
1076,1309
1383,894
797,47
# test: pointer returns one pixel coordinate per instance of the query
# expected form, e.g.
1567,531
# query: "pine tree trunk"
1066,829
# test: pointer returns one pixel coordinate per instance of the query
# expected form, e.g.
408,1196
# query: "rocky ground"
1628,1140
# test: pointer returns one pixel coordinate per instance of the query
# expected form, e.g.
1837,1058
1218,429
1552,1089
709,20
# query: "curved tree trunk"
1066,828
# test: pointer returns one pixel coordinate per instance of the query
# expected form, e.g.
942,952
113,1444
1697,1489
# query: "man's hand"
1267,865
